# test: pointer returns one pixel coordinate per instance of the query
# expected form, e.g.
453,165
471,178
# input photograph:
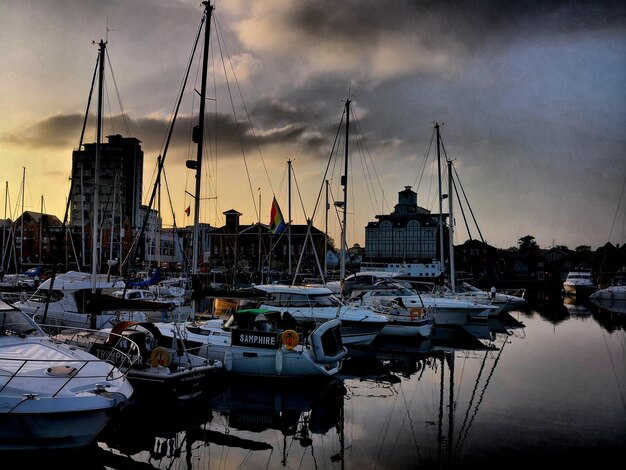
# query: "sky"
530,95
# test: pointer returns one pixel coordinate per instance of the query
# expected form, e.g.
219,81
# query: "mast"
441,251
96,195
289,225
260,240
344,183
41,232
22,220
82,217
6,196
326,234
199,139
451,228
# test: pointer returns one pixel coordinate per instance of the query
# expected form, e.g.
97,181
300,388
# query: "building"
120,188
34,239
253,248
408,234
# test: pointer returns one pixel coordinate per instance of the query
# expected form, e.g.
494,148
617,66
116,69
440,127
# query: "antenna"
107,30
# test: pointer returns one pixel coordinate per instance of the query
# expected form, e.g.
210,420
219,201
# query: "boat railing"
118,350
67,372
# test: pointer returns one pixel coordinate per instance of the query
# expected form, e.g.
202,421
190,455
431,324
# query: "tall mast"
441,251
96,194
344,183
6,196
260,239
289,225
41,232
199,137
451,227
82,219
326,234
22,220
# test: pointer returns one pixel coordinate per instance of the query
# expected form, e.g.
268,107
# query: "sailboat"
246,348
81,299
318,304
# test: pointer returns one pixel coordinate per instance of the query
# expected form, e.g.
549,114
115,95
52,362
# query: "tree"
527,244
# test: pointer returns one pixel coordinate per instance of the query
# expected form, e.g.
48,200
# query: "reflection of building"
408,234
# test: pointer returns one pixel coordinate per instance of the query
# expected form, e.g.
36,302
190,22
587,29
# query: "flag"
277,223
188,211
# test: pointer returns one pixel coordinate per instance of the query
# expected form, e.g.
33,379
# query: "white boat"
615,291
580,282
52,395
506,301
157,366
445,310
71,302
316,304
176,307
360,280
259,342
411,322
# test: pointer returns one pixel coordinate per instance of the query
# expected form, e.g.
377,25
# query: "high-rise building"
120,188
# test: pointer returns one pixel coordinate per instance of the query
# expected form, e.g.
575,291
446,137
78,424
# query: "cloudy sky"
531,94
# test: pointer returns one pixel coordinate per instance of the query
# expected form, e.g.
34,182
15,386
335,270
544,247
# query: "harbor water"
540,386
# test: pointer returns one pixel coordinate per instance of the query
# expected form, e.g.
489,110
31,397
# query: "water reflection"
509,388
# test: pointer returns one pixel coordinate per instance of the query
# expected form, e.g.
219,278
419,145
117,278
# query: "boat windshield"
41,295
15,323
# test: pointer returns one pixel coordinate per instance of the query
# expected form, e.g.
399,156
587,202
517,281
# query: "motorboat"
614,291
507,301
69,300
156,365
445,310
176,306
52,396
264,343
359,325
580,282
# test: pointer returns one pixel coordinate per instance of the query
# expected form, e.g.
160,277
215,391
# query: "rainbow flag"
277,223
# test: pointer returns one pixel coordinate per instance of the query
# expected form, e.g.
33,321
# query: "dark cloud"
53,132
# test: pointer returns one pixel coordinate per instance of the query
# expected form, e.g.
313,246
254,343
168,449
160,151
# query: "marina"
358,331
542,385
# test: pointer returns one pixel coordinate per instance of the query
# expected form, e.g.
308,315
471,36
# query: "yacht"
263,343
445,310
580,282
306,304
70,301
53,396
157,366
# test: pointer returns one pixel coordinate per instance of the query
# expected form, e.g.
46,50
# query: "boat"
506,301
399,297
319,304
360,280
71,302
175,306
157,366
580,282
616,291
264,343
52,396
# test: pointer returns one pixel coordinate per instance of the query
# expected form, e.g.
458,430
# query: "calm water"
540,386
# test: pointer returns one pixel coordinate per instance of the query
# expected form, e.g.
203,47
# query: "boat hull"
35,427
